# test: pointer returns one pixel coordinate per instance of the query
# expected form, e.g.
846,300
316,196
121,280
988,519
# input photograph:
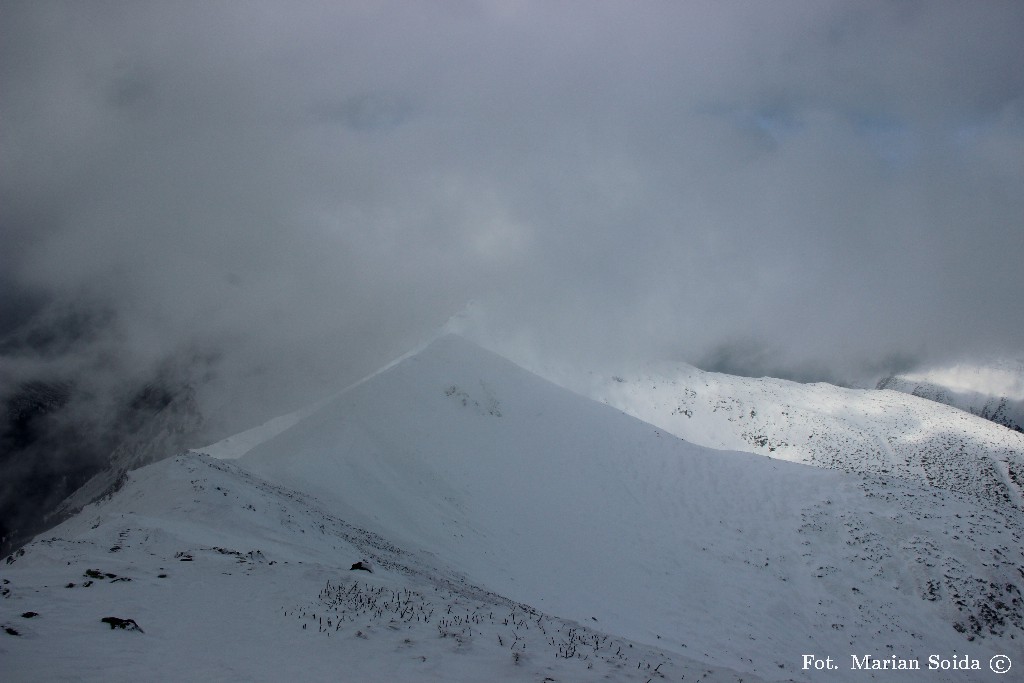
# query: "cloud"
311,188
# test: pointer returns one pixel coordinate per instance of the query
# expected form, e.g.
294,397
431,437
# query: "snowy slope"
511,523
994,391
230,577
57,455
880,432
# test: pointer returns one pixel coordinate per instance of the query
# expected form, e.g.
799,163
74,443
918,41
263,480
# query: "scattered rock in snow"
126,624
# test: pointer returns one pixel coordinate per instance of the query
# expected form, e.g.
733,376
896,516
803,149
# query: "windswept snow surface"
518,532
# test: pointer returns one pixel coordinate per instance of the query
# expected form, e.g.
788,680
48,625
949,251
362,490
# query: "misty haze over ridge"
281,201
210,217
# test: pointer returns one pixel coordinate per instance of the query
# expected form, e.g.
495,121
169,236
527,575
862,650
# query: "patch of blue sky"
891,139
775,123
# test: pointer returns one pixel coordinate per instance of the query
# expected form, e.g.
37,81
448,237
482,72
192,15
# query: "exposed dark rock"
126,624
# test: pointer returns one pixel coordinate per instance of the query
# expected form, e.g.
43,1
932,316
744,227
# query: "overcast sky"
802,188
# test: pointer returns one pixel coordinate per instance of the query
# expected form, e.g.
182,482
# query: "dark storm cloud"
315,186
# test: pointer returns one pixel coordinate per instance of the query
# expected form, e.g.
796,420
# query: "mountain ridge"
867,431
1000,409
459,476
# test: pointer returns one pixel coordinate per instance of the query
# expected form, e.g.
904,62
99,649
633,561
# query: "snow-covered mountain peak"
516,531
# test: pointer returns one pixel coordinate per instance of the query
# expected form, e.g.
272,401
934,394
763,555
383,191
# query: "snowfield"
962,388
518,531
854,430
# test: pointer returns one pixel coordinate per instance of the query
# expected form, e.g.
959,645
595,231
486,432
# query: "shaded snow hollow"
518,531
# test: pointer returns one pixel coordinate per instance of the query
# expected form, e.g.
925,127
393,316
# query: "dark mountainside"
49,450
65,425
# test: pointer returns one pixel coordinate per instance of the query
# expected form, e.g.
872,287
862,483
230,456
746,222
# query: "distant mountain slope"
1004,410
879,432
518,532
58,454
172,426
